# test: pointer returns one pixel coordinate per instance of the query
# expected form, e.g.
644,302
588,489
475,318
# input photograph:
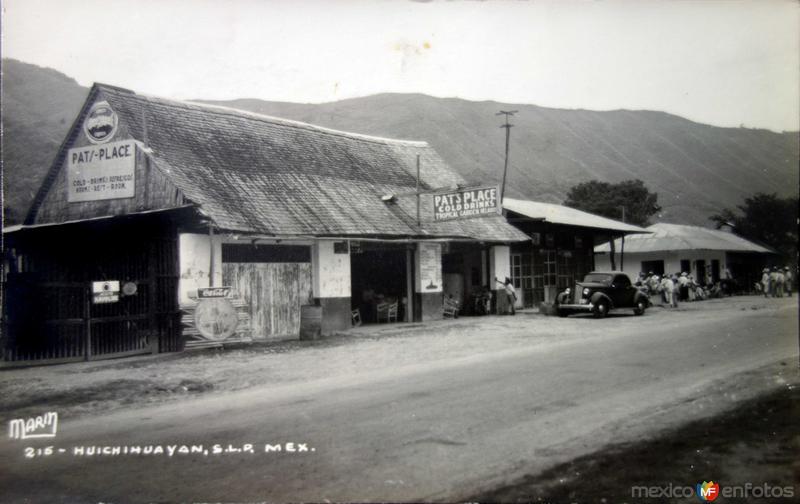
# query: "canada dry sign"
466,203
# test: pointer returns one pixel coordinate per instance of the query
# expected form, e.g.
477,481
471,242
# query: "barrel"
310,322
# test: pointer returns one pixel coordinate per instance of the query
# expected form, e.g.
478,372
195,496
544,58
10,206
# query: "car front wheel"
640,307
601,309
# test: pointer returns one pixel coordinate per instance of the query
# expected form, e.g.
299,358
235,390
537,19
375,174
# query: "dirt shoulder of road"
85,388
756,443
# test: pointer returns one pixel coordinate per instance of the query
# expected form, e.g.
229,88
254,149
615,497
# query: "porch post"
428,281
410,284
87,320
212,270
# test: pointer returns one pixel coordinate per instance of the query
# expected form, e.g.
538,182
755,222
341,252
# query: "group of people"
670,289
776,283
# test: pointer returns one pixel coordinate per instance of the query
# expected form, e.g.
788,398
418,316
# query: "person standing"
511,294
779,282
675,292
668,291
683,282
773,282
692,289
654,288
765,282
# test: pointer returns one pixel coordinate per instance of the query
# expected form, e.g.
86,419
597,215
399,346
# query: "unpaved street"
538,392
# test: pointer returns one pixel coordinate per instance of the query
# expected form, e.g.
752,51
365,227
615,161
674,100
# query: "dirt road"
441,429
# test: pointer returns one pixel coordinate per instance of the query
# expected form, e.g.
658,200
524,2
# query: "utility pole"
622,250
419,222
507,126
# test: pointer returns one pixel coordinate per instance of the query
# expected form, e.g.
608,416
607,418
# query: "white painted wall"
194,256
499,265
331,271
429,273
672,261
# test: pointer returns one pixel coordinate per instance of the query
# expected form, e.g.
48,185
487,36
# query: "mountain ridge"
697,169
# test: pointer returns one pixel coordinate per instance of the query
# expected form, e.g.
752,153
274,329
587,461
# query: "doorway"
379,281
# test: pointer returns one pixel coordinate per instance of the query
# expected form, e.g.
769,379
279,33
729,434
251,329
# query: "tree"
765,218
608,200
629,200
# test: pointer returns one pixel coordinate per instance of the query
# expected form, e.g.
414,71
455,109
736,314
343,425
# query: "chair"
450,307
387,311
392,314
356,317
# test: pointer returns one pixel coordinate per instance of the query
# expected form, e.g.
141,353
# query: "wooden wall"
275,292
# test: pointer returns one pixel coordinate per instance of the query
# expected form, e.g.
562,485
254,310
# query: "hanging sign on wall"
101,172
466,203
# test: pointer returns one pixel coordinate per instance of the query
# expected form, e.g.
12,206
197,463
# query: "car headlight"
586,291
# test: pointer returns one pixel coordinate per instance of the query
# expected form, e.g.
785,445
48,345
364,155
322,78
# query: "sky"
727,63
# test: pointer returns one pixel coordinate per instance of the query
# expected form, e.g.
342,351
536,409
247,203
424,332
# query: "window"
516,270
600,278
622,281
341,247
657,267
234,253
549,268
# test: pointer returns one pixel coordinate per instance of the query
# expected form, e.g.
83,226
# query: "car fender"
599,295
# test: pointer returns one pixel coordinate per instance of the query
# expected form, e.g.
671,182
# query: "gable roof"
667,237
253,173
560,214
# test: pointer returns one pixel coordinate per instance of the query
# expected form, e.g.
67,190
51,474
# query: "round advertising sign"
215,318
101,123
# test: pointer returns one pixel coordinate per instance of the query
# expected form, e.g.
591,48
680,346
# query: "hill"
696,169
38,107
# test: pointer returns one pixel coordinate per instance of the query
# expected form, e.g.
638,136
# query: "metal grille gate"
49,312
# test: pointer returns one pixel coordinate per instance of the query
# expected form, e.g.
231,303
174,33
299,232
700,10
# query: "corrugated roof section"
560,214
259,174
666,237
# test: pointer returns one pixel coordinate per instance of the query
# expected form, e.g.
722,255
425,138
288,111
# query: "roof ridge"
224,110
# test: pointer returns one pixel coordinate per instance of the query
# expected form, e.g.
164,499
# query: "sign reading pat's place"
101,172
466,203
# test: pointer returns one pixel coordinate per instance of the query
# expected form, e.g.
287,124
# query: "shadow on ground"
756,443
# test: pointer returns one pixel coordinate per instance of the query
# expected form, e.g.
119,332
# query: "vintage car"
602,291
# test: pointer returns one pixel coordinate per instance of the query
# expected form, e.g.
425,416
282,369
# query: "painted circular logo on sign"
215,318
101,123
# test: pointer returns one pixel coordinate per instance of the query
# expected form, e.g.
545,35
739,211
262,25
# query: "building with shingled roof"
704,253
150,203
560,249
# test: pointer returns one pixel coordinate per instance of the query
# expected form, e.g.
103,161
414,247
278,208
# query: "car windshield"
598,278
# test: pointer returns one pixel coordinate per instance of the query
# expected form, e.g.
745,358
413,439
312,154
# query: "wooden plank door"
274,292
